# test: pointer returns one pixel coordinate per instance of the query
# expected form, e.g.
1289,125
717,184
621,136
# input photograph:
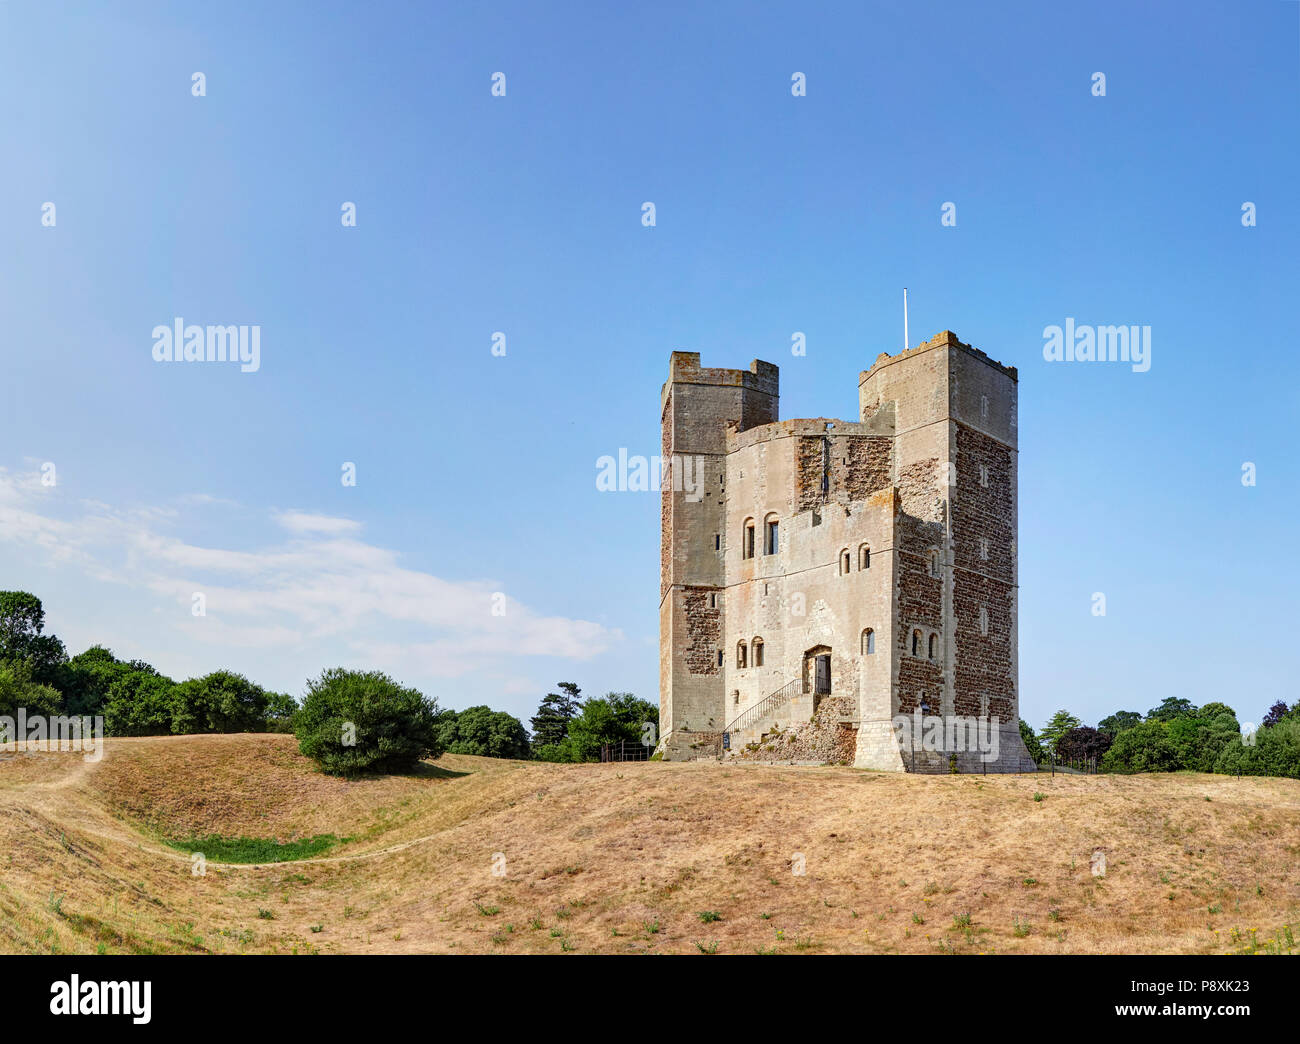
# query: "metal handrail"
765,706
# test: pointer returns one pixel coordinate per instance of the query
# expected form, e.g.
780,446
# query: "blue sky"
522,214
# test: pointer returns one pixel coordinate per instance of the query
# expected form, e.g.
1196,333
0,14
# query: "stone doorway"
817,673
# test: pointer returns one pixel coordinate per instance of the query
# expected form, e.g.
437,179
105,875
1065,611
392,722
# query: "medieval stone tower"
865,569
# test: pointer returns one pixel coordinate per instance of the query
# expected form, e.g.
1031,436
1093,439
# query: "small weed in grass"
1030,882
711,948
1038,796
317,929
651,927
962,920
709,916
556,933
486,911
1021,929
918,919
765,916
1054,914
535,923
265,915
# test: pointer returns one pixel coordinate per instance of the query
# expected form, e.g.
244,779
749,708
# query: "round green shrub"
352,722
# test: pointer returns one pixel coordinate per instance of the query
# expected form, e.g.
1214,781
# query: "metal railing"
767,705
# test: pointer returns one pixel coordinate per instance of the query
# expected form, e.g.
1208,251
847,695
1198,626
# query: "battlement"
881,424
684,368
943,339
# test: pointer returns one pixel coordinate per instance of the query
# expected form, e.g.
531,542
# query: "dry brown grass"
625,858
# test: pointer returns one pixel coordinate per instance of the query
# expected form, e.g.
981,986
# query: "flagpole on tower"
905,341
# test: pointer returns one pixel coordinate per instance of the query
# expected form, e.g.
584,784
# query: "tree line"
1174,736
348,720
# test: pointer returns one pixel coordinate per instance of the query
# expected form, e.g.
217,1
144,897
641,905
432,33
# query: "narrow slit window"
773,538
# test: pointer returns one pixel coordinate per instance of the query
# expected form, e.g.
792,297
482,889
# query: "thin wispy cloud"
310,578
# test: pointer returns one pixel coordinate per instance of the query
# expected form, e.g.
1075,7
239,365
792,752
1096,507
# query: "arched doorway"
817,673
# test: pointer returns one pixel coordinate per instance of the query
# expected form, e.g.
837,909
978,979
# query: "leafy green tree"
17,689
1062,722
363,721
88,677
550,724
614,717
1171,707
1143,748
1031,741
280,709
484,732
22,623
1271,751
140,703
1119,721
1201,737
222,701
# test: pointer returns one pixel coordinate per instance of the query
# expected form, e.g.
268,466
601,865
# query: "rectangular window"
984,476
773,541
984,548
984,620
717,541
749,541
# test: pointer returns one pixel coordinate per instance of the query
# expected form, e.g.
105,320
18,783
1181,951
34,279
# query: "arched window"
771,535
934,645
934,564
747,540
846,562
758,652
864,557
868,642
740,654
916,643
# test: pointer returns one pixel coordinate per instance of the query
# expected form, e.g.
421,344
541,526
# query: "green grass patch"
256,849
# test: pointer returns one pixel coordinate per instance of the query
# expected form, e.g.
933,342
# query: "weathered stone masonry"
871,563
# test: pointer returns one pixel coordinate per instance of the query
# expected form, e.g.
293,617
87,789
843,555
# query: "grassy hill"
477,855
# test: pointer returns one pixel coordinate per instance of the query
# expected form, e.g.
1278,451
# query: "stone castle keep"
857,570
